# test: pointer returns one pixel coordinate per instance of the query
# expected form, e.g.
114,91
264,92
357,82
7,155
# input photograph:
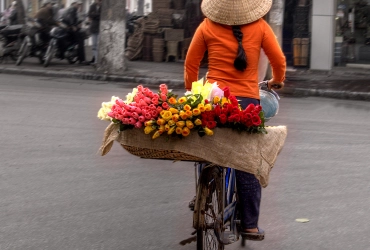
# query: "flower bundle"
203,109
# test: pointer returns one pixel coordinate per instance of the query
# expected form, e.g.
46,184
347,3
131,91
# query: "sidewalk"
341,82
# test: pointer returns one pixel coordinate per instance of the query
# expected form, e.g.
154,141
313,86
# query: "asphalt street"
58,193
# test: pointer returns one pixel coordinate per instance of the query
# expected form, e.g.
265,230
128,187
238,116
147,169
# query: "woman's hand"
275,85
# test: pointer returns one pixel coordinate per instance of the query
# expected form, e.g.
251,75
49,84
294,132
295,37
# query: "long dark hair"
240,62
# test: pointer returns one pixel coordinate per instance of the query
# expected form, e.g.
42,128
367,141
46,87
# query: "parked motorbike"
10,41
35,42
63,45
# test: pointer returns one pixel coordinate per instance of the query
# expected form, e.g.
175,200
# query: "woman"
234,33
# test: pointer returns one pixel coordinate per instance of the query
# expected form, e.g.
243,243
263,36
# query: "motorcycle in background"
63,45
34,44
10,40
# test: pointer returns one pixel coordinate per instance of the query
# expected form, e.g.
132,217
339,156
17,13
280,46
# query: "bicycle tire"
23,53
49,54
211,181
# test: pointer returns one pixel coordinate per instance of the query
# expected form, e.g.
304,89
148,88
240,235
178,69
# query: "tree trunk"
275,19
111,58
140,7
20,12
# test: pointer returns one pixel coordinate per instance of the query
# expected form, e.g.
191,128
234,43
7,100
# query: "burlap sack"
252,153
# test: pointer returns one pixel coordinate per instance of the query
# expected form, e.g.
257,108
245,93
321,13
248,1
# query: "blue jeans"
95,44
249,188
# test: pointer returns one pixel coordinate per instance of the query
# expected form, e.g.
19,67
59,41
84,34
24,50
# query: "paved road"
58,193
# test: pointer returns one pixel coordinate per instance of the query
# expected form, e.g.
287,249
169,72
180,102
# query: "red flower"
226,92
233,100
250,108
211,124
223,118
234,118
256,120
217,110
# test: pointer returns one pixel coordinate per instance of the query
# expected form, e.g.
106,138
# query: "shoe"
192,204
93,60
84,63
259,236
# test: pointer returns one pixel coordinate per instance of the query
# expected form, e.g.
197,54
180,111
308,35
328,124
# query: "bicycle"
216,215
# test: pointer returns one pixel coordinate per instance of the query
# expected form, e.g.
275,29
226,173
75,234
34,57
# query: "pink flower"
143,103
141,119
163,97
135,115
159,109
140,88
155,101
152,106
148,116
138,124
125,121
138,110
147,100
131,121
120,102
156,96
154,113
165,105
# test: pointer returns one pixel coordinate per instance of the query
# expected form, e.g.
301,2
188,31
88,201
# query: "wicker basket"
161,154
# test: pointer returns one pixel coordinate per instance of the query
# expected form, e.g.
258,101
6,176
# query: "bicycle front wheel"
210,205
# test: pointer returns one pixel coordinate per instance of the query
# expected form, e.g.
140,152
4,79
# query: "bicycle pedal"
188,240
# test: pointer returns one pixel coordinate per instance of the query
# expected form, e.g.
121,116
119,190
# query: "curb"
176,84
95,76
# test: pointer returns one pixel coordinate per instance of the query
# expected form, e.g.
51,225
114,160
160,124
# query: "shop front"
352,32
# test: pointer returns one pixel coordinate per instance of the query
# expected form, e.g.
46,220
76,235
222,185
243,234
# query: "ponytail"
240,62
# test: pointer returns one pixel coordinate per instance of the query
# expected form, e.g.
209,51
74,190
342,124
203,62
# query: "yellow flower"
161,129
224,100
187,107
172,100
178,130
156,135
171,123
185,131
196,112
130,96
174,111
201,107
183,115
208,107
172,129
161,121
180,124
167,127
198,122
175,117
150,123
216,99
162,112
182,100
189,124
148,129
208,131
167,115
106,107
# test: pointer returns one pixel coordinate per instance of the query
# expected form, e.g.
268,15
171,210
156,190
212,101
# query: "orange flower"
189,113
185,131
161,121
189,124
182,100
187,107
173,110
183,115
180,124
178,130
172,100
196,112
175,117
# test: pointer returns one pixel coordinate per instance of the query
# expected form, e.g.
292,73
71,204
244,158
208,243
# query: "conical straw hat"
235,12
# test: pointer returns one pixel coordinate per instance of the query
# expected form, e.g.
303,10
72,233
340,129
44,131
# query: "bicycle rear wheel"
210,205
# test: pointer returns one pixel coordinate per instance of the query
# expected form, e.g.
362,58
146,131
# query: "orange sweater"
222,49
